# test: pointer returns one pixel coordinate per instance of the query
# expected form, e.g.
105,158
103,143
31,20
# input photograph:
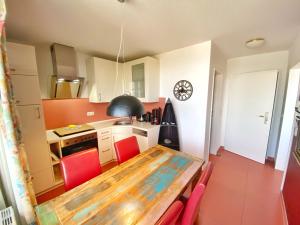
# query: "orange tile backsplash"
62,112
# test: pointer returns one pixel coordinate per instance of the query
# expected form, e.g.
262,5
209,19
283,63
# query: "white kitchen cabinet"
146,138
105,145
103,83
21,59
119,133
42,180
34,136
142,76
25,83
26,89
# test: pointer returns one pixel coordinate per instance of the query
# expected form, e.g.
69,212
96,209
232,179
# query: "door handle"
265,116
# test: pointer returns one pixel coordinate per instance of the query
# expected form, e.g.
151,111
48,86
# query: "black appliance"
168,133
78,144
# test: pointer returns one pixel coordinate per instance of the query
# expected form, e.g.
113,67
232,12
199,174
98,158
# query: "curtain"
11,137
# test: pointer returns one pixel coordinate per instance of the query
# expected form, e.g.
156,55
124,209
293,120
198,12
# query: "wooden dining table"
138,191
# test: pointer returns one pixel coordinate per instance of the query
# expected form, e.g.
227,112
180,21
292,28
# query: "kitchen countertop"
53,138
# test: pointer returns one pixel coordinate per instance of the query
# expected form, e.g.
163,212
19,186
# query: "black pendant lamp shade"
125,105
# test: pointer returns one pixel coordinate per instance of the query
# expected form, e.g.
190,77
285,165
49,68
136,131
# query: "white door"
216,120
250,106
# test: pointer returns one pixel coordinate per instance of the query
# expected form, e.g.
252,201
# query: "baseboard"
285,219
221,148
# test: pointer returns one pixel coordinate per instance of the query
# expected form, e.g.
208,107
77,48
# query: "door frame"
215,73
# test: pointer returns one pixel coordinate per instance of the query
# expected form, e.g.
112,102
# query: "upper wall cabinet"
21,59
103,83
143,77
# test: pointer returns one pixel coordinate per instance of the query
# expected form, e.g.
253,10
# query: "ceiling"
154,26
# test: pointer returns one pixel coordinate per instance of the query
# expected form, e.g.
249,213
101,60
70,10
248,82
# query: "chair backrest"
170,217
192,206
206,174
80,167
126,149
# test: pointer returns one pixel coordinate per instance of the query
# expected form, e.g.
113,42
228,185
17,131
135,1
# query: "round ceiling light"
255,42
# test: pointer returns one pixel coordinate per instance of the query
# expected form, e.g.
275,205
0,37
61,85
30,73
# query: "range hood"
64,83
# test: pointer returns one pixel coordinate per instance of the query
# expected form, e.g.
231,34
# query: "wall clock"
183,90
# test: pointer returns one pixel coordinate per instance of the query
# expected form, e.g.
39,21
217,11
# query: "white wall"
193,64
261,62
294,57
45,69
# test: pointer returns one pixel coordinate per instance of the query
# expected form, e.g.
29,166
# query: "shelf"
55,162
169,125
57,173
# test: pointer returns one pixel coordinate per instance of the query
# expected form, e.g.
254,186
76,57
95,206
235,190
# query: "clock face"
183,90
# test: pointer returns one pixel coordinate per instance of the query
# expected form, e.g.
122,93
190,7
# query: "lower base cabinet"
42,180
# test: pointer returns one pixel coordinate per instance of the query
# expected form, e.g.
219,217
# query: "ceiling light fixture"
255,43
124,105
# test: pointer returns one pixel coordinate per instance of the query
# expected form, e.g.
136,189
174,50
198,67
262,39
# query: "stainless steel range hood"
64,83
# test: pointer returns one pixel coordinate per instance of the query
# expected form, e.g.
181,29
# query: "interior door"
250,106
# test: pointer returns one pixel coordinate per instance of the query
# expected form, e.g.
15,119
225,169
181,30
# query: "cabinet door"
26,89
105,145
42,180
104,84
143,142
34,136
138,80
21,59
143,78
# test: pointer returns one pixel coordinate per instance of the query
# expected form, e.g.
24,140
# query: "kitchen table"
136,192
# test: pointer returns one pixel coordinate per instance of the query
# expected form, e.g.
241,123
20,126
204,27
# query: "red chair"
191,210
80,167
126,149
206,174
172,214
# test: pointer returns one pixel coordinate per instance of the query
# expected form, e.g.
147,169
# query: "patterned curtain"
11,135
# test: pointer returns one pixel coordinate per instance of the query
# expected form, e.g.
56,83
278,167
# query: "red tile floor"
242,192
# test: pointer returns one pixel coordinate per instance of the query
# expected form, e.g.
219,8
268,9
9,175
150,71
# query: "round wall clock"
183,90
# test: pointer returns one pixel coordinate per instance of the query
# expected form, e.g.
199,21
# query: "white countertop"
53,138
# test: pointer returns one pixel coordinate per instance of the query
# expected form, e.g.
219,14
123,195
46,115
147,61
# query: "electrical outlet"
90,113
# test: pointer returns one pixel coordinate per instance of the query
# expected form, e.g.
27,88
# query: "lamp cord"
121,48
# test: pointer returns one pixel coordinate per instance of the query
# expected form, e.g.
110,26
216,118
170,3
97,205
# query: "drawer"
103,132
105,138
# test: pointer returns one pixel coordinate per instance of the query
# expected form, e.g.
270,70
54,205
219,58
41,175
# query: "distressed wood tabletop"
136,192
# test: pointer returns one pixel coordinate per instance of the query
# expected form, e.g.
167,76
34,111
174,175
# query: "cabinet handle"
105,138
38,113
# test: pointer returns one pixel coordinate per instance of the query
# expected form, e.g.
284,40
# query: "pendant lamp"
124,105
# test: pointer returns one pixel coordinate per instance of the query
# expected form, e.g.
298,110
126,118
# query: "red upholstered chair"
206,174
126,149
80,167
172,214
192,206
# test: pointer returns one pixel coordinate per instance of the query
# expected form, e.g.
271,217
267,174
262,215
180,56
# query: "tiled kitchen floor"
239,192
242,192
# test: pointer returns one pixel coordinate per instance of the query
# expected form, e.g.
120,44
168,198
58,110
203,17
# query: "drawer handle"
105,132
13,69
105,138
106,150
